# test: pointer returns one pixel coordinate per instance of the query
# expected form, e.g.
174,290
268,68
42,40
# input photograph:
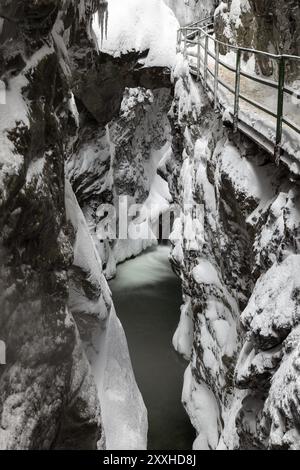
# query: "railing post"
216,84
280,99
199,55
205,61
237,91
178,41
185,43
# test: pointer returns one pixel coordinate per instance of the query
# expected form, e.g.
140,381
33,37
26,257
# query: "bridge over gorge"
266,110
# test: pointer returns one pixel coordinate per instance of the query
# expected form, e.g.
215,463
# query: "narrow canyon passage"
147,297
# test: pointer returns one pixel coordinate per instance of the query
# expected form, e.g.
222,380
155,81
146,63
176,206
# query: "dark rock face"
117,160
188,12
64,103
263,25
32,17
107,78
141,128
44,401
281,21
239,265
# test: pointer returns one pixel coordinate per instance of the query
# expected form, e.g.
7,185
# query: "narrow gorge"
149,243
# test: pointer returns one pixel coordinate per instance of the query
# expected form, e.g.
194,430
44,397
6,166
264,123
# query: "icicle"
103,18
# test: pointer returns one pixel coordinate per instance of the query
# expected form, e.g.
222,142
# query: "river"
147,297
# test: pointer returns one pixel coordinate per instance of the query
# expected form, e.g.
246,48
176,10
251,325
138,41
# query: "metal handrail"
199,34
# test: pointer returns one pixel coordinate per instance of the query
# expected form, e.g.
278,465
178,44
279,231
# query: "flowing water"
147,296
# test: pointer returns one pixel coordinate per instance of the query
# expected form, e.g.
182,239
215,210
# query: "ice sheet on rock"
222,327
188,228
145,25
177,251
216,343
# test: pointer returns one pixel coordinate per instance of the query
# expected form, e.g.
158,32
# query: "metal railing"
199,35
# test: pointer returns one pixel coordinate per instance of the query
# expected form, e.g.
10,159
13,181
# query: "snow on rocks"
237,9
279,428
183,337
255,369
274,307
50,392
203,410
213,307
247,261
13,110
148,26
205,273
279,225
123,411
14,120
188,11
248,178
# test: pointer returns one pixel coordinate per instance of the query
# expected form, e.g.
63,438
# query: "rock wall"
238,265
47,378
188,11
118,161
263,25
54,298
238,261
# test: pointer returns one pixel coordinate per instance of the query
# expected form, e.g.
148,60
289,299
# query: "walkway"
266,110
